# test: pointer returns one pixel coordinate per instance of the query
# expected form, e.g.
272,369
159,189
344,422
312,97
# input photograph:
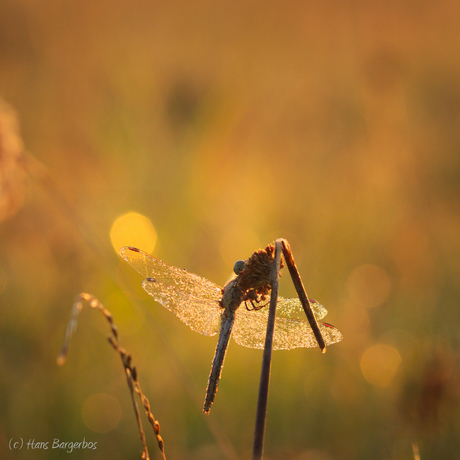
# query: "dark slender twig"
266,360
295,275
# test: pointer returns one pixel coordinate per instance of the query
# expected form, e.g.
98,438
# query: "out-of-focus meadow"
335,125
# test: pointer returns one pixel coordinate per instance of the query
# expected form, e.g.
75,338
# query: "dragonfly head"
239,265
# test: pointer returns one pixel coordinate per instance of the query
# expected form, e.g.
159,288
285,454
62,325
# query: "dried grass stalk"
131,374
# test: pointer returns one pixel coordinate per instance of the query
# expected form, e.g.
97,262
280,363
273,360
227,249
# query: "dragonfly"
209,309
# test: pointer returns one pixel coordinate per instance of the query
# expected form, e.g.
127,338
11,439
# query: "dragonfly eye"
239,265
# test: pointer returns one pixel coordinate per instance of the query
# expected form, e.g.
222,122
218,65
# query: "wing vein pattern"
192,298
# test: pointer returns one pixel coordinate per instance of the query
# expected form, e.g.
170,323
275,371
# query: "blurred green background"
335,125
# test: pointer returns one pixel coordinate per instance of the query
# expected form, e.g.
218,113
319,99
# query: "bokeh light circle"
133,229
379,364
368,285
101,412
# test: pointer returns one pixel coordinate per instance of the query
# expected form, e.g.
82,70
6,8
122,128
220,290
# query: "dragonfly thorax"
232,296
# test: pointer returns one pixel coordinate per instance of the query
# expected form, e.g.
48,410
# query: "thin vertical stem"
295,275
266,360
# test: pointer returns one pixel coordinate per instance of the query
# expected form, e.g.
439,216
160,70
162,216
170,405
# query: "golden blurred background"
201,131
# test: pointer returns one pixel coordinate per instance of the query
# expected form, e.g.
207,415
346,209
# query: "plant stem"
295,275
266,360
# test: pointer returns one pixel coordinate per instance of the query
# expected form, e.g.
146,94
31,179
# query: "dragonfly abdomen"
228,318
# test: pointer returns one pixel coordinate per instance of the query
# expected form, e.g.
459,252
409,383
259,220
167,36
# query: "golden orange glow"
200,135
133,229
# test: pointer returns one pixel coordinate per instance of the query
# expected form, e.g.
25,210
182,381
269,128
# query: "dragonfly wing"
151,267
192,298
251,327
292,308
200,314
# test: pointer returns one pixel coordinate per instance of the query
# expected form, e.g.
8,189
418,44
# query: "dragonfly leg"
255,307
